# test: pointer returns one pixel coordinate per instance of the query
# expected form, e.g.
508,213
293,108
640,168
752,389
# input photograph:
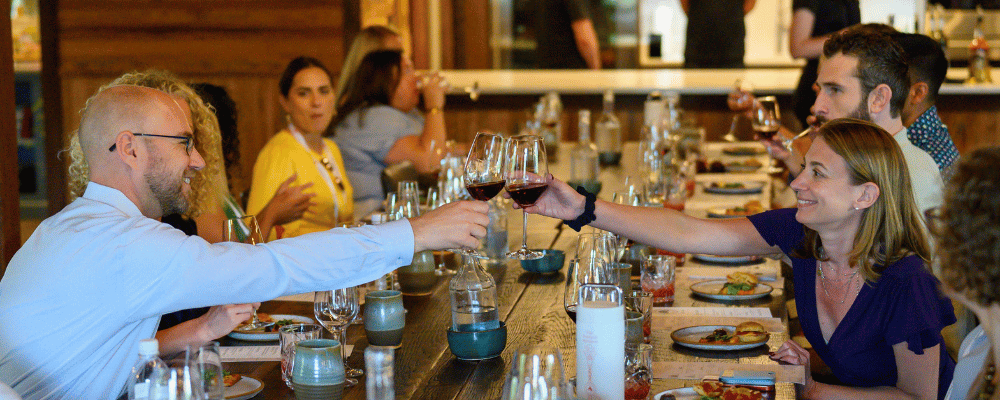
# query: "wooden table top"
532,306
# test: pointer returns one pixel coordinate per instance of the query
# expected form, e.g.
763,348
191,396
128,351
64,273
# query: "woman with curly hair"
967,229
866,301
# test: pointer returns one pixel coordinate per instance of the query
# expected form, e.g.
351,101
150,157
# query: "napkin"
256,353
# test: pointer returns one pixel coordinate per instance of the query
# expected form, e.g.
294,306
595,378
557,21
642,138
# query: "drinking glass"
641,302
536,373
525,173
484,175
766,117
594,252
245,230
658,278
209,362
638,371
288,336
408,199
335,309
182,380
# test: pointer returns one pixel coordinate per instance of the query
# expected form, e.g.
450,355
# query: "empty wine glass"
536,373
484,175
245,230
525,172
335,309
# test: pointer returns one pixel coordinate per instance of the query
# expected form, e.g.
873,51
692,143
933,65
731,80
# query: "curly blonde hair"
967,227
207,140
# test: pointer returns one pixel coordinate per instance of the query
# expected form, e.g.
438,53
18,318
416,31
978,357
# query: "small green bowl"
550,263
478,345
593,186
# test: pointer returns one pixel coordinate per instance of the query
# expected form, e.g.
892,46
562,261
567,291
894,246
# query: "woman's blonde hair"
372,38
207,140
891,228
967,227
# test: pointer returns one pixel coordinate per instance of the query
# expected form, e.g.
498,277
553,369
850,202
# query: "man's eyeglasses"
187,140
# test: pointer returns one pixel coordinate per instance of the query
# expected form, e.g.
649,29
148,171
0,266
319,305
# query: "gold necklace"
850,281
989,386
328,164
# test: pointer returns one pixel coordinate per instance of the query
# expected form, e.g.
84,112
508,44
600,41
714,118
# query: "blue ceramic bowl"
479,345
552,262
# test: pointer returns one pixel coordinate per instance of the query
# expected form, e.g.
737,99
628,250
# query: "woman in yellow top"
300,150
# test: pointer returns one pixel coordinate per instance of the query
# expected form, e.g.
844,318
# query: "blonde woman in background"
372,38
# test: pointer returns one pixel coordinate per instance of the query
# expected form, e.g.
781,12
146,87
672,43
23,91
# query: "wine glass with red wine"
766,117
525,173
484,175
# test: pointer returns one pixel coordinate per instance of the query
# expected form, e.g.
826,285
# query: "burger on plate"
750,332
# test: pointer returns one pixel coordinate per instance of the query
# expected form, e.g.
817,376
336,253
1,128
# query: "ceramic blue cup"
551,262
384,318
317,363
478,345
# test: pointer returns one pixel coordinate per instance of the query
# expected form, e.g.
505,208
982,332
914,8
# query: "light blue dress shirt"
94,279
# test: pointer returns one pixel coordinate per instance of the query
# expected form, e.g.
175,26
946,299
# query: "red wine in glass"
571,311
766,132
526,194
485,190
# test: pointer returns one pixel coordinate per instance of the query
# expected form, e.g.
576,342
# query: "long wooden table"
531,305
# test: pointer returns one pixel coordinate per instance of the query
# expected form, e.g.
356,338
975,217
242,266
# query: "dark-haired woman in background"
300,154
378,123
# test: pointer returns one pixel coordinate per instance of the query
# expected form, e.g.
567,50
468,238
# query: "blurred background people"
564,32
378,123
372,38
967,229
715,32
299,154
813,21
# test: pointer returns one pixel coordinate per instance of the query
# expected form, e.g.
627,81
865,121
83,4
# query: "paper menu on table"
699,370
748,312
256,353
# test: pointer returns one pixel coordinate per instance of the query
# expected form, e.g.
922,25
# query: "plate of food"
737,286
270,332
735,260
241,387
743,151
722,337
710,390
749,165
734,187
749,208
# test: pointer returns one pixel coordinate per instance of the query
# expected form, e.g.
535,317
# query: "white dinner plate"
684,393
710,289
269,336
739,167
244,389
709,258
744,188
743,151
688,337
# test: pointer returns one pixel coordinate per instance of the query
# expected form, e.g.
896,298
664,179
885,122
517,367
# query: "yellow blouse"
283,156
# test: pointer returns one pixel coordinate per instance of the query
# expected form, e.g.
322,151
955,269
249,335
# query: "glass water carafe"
473,299
608,133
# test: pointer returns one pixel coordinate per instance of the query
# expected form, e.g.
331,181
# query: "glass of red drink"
524,173
638,371
658,278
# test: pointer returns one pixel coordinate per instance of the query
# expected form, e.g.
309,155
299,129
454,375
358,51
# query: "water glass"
288,336
594,253
209,362
183,380
408,199
384,318
638,371
622,275
641,302
658,278
318,370
536,373
633,327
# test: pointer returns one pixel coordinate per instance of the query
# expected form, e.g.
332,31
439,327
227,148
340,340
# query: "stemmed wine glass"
536,373
335,309
245,230
484,175
525,172
766,120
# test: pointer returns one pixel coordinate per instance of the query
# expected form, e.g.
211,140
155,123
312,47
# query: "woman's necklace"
849,278
989,385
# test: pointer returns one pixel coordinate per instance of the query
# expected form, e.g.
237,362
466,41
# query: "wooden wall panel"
10,220
242,45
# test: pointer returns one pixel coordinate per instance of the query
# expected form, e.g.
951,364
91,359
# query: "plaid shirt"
931,135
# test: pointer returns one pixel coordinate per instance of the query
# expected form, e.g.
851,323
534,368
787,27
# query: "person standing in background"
715,32
813,21
565,35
